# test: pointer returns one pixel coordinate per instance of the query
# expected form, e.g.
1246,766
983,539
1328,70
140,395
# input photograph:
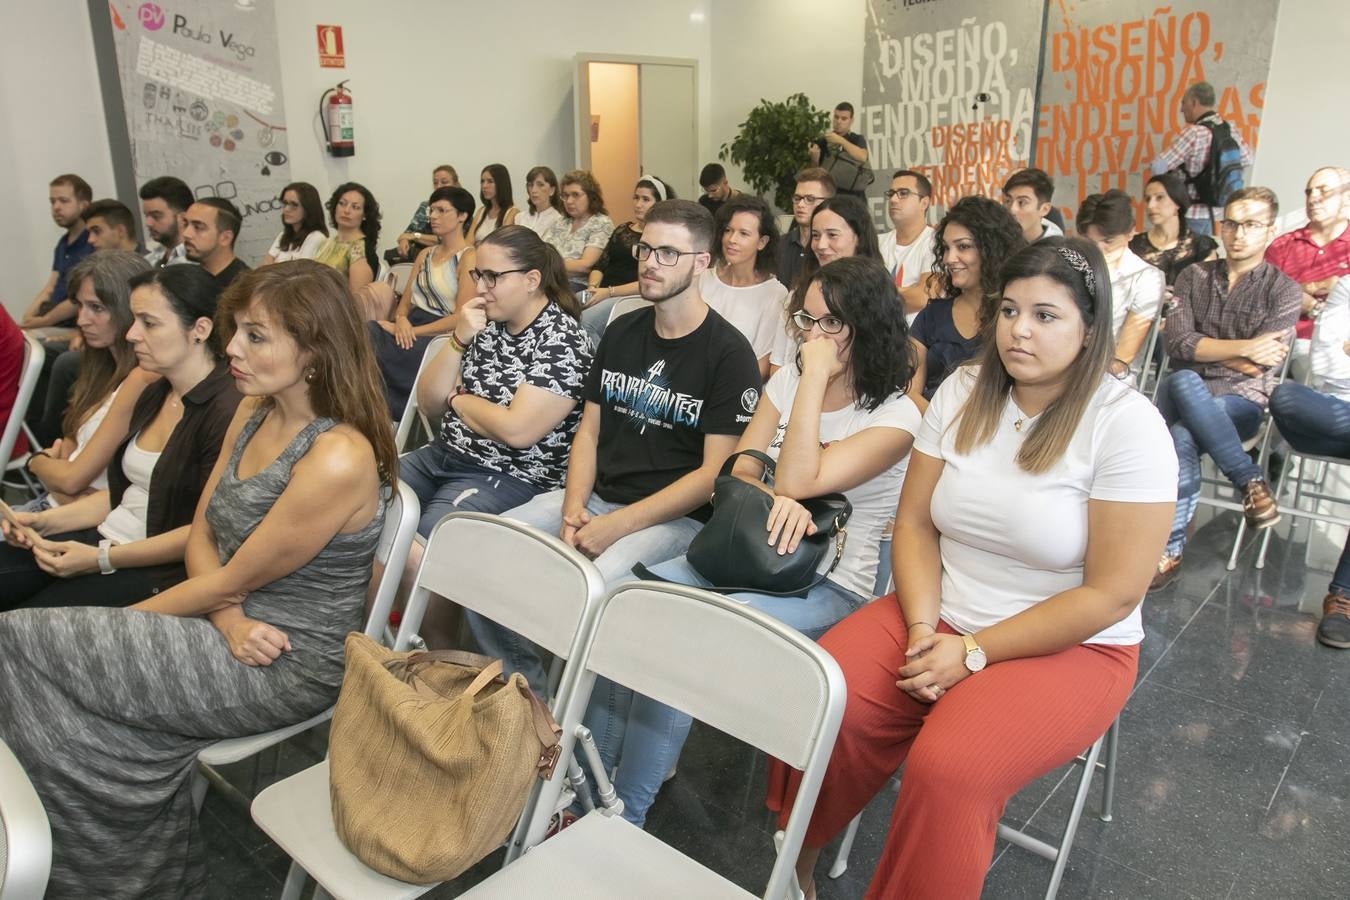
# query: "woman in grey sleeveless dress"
108,708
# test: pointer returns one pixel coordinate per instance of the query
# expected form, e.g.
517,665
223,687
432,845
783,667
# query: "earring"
309,374
196,340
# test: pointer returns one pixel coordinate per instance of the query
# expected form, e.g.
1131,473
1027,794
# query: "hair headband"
1080,265
656,184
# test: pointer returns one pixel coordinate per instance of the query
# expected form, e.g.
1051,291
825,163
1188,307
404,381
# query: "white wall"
51,122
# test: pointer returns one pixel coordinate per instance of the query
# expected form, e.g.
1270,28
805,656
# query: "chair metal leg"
1237,544
845,848
1071,827
1109,776
295,882
199,787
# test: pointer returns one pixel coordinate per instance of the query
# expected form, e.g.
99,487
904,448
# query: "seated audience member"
716,189
163,202
302,227
210,228
1318,253
439,282
581,235
545,203
355,216
976,679
836,419
106,374
1317,421
1168,244
111,227
118,546
68,196
813,186
971,244
839,140
1189,152
418,233
279,562
1027,195
741,285
671,389
12,344
908,250
615,275
1227,336
1136,287
498,209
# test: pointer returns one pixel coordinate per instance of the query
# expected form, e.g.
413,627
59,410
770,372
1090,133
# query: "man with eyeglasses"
1319,252
813,186
1227,338
669,393
908,250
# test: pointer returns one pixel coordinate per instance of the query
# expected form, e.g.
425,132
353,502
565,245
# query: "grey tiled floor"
1234,763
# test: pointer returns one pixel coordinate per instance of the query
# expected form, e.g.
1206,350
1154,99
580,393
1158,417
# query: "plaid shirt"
1190,151
1263,300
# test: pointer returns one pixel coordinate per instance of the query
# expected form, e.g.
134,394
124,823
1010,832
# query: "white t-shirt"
308,248
873,501
127,521
1010,539
785,341
538,222
1330,365
908,262
758,311
85,433
1136,287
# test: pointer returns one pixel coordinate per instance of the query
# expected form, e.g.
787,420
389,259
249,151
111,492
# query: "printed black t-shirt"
659,397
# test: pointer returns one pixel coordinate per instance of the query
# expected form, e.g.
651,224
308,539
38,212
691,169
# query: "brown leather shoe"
1334,629
1258,505
1168,567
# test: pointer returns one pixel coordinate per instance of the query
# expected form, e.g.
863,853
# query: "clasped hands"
935,662
60,559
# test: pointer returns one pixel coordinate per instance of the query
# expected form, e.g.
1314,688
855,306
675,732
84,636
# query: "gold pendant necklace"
1018,423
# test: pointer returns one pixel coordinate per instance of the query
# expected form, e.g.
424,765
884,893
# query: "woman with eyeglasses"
581,235
427,307
302,227
837,419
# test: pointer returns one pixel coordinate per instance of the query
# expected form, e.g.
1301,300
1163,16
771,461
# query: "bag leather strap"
759,455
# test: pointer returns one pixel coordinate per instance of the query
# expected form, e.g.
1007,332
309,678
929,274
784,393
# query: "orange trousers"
965,755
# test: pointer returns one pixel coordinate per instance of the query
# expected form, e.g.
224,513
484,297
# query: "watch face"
976,660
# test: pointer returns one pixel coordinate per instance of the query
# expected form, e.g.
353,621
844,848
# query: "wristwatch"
975,658
105,565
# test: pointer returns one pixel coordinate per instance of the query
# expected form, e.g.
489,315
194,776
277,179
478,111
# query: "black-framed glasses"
1233,227
489,277
828,324
810,199
902,193
665,256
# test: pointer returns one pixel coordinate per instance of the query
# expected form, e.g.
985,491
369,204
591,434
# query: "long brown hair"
529,251
102,369
312,302
1079,267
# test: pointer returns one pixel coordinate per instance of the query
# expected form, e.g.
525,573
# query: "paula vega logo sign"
153,18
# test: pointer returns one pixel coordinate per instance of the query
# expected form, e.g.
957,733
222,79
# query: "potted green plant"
770,146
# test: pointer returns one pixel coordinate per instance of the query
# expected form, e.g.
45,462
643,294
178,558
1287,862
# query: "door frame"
581,94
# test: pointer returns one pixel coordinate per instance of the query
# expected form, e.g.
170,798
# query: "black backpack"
1222,173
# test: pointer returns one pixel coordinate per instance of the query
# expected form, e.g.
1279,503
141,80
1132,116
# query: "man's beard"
667,289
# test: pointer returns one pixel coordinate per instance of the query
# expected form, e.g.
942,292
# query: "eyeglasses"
665,256
574,195
289,204
902,193
489,277
439,211
1232,227
812,199
828,324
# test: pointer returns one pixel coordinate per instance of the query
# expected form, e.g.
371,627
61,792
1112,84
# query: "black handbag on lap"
733,552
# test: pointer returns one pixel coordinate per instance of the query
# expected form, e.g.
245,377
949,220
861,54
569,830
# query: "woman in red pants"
1039,493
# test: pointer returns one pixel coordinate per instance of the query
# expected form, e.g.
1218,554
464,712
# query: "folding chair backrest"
397,277
25,835
400,527
625,306
33,356
411,413
515,575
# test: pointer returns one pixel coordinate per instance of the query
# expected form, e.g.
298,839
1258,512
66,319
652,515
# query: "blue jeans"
1202,423
595,318
444,481
643,737
651,545
1201,225
1315,423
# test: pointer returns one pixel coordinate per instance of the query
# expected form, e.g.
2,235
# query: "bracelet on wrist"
460,347
925,624
28,463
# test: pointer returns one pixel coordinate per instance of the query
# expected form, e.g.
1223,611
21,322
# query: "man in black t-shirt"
669,393
839,139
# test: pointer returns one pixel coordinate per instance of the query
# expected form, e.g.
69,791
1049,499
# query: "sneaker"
1167,570
1334,629
1258,505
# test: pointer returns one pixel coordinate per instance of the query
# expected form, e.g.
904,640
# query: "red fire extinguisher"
338,118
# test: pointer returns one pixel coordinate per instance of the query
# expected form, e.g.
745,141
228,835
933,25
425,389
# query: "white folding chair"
397,277
1143,365
25,835
400,526
33,357
1057,853
411,413
624,307
522,579
740,671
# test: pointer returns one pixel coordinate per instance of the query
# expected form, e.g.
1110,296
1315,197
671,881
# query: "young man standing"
716,189
111,226
1319,252
69,196
813,186
669,393
1227,336
163,202
848,143
908,250
1190,151
210,227
1027,195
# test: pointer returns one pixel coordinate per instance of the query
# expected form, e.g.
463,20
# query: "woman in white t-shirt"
1038,497
741,285
545,205
837,419
302,227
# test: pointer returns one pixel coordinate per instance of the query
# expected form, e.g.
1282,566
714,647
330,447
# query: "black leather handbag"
732,550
